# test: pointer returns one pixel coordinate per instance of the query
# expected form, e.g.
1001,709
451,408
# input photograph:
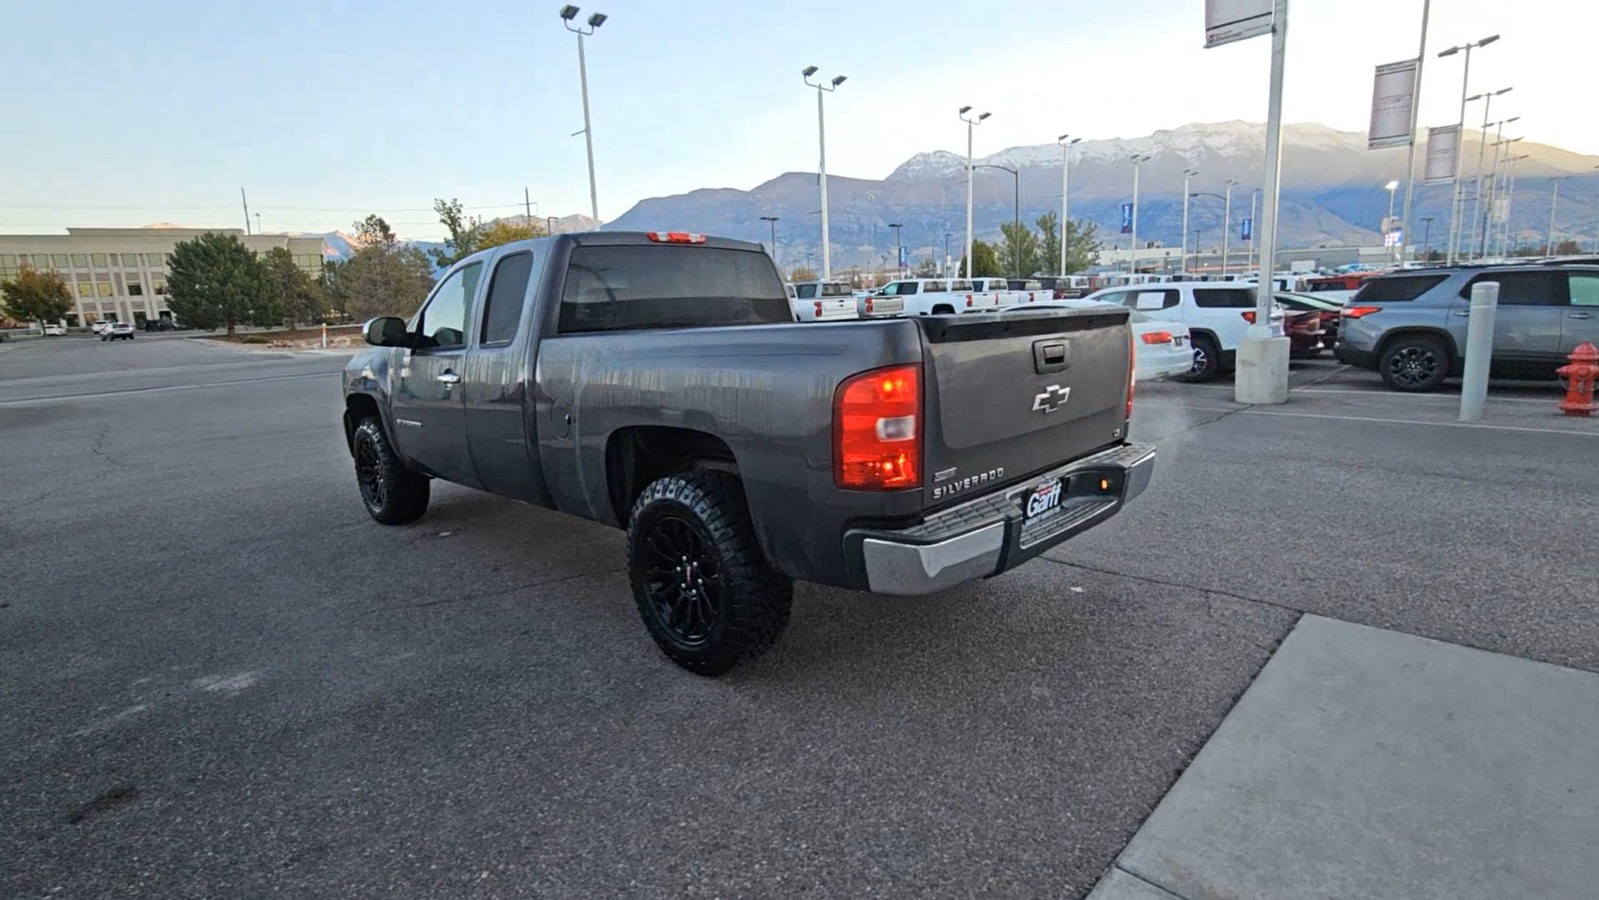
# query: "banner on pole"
1443,147
1393,96
1127,218
1246,231
1236,20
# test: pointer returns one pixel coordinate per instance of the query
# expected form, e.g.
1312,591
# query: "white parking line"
1378,419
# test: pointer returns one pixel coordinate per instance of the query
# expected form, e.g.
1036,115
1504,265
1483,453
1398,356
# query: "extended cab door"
500,433
429,415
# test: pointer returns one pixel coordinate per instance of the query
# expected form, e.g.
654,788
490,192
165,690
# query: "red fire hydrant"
1580,375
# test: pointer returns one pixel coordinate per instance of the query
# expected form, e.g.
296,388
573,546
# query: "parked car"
1213,312
1410,325
1160,346
822,301
55,329
1329,310
101,325
656,382
117,331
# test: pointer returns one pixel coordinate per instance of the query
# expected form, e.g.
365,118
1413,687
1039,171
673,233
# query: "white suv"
1217,314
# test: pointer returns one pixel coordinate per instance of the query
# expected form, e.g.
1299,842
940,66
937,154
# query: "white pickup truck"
944,296
822,301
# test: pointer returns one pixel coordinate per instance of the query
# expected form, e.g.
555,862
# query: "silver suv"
1411,326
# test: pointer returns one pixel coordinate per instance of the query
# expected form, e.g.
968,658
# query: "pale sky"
127,114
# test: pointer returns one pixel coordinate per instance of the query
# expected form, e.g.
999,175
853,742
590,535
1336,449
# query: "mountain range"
1332,186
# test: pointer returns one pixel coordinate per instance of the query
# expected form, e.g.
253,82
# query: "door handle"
1580,316
1464,314
449,378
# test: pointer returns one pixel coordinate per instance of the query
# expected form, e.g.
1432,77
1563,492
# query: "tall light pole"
1132,247
1482,152
1389,224
1065,205
899,255
1510,198
821,138
568,13
1226,224
1426,237
1496,181
1460,140
1554,201
1254,200
772,221
971,124
1187,174
1410,157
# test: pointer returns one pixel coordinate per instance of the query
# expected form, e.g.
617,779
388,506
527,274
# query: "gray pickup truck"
656,382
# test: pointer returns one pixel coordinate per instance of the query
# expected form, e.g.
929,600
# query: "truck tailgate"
1010,395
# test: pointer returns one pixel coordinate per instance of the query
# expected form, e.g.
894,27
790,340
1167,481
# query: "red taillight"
877,441
1249,316
818,309
968,300
1157,337
675,237
1355,312
868,306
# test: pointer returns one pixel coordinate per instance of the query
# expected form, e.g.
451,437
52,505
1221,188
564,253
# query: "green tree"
1567,248
1082,246
504,231
383,277
466,233
300,298
214,280
802,273
1049,242
985,261
35,296
1018,250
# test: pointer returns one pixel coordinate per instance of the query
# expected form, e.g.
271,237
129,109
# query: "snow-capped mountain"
1332,185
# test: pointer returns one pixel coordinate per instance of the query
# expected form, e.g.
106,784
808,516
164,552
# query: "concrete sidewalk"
1368,763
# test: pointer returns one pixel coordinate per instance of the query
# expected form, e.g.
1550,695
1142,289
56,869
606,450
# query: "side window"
1521,288
442,323
1584,288
936,287
502,311
1224,298
906,288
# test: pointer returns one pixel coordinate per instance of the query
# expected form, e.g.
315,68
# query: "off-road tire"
391,493
1206,350
750,600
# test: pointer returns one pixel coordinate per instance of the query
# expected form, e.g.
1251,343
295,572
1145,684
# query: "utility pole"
246,201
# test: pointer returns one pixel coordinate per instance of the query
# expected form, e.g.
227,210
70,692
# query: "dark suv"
1411,326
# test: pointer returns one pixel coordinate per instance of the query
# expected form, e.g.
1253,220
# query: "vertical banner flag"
1127,218
1393,95
1236,20
1443,144
1246,231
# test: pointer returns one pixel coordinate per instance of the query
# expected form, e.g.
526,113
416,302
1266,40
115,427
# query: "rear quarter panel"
766,391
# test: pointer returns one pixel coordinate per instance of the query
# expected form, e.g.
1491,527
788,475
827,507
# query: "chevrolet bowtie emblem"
1051,399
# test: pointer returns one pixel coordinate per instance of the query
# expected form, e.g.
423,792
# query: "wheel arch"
637,455
1390,338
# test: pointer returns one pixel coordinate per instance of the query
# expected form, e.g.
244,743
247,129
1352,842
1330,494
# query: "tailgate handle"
1049,356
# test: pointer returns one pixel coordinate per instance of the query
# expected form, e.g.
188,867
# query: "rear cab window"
835,289
804,291
1397,288
634,286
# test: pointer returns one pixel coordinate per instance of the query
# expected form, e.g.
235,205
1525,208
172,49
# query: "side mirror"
387,331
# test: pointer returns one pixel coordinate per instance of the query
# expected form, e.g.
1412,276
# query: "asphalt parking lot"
224,680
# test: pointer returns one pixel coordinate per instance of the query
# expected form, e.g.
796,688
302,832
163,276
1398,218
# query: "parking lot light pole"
1392,187
1065,193
899,254
971,124
1510,199
1415,119
1226,224
1477,208
1263,353
1554,201
1496,178
1460,144
1016,177
821,138
772,220
1187,174
568,13
1254,204
1132,245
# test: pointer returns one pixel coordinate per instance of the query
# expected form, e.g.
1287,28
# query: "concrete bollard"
1479,350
